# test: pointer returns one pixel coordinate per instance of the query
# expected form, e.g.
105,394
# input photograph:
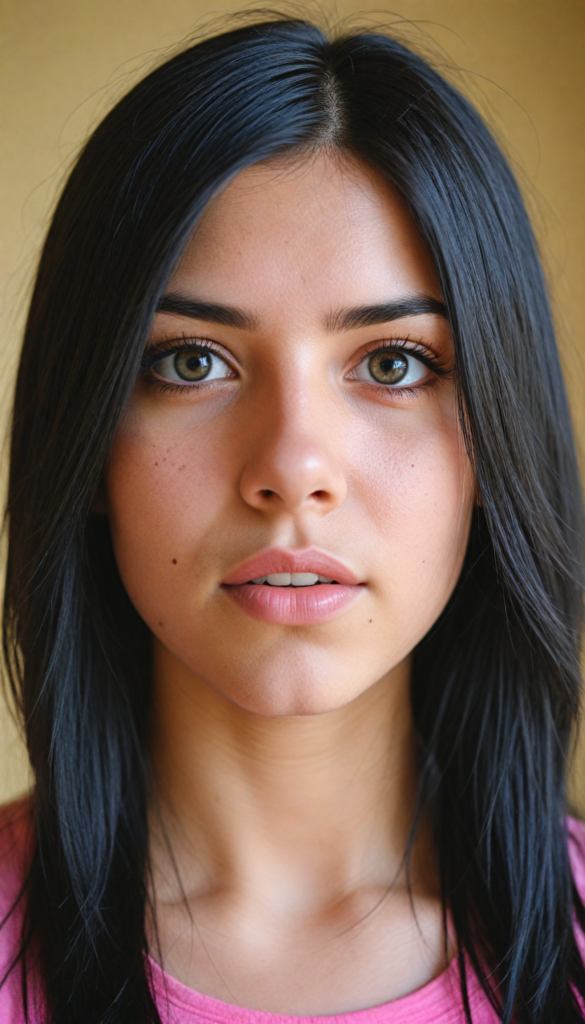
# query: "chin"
283,697
286,682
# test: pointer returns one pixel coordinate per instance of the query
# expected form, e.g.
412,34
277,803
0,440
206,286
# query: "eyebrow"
384,312
212,312
342,320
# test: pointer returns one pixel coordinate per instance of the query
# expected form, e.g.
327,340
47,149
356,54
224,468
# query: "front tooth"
260,579
303,579
325,579
279,579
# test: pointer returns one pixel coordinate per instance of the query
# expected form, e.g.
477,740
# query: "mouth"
293,587
278,567
292,579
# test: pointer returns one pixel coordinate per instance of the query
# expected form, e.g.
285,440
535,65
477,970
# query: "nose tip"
293,478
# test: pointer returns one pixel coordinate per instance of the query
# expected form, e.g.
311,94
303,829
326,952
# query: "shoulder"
15,844
15,840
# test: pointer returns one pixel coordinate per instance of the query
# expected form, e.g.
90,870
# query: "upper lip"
277,560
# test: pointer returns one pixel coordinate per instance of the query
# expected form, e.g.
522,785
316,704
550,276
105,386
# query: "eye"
192,365
392,368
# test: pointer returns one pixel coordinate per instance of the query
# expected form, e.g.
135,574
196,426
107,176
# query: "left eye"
391,368
191,365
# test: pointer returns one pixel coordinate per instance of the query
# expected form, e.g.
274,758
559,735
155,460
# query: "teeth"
292,579
303,579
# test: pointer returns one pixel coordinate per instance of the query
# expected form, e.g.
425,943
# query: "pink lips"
293,606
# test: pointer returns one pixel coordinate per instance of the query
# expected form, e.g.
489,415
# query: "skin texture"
285,756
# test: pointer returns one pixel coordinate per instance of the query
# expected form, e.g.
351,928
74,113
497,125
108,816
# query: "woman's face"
297,414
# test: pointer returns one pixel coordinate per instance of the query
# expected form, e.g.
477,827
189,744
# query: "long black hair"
496,682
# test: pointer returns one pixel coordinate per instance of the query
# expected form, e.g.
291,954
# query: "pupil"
193,365
388,367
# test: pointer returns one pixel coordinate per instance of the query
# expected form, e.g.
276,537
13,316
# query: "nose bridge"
293,460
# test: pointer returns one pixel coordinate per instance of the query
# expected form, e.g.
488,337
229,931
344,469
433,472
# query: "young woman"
294,593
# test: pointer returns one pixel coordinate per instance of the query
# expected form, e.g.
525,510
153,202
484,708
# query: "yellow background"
64,62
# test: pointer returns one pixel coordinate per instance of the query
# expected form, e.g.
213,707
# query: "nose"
293,468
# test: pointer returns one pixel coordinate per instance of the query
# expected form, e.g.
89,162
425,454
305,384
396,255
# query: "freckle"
412,467
174,561
369,620
161,624
156,463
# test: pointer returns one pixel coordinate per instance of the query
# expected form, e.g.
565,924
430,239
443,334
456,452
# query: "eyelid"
417,349
155,353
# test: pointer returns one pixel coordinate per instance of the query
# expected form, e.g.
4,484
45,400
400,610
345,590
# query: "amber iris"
192,365
388,367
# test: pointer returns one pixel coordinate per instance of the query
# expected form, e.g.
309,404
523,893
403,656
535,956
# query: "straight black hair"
496,683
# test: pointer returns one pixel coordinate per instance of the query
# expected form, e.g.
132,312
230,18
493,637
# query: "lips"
276,562
288,596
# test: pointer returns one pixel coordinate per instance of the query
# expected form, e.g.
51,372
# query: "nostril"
319,494
266,493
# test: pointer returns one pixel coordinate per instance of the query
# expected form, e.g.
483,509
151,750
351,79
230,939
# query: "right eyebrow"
228,316
385,312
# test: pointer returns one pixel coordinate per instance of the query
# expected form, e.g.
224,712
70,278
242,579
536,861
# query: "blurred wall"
64,62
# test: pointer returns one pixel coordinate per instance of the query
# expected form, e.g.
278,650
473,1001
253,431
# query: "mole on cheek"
174,561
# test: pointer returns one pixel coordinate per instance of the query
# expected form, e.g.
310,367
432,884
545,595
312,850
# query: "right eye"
191,366
393,367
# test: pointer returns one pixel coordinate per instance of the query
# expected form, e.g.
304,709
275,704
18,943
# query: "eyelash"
430,359
164,348
439,368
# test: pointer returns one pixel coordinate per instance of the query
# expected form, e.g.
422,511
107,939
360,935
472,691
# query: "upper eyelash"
426,356
429,358
157,352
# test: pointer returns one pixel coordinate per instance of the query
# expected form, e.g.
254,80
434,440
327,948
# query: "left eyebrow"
384,312
210,312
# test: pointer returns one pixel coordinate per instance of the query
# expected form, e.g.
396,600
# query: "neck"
316,804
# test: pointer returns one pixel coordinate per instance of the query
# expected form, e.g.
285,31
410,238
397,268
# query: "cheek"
418,488
165,489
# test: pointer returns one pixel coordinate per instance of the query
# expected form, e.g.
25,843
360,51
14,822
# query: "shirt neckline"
441,994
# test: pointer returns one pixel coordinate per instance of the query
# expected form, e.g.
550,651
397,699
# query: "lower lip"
293,606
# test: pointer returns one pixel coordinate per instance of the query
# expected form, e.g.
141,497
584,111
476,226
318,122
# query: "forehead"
319,230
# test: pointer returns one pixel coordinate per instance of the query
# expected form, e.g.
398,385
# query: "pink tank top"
439,1002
